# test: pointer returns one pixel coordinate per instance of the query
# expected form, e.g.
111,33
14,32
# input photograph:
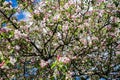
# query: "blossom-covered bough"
63,40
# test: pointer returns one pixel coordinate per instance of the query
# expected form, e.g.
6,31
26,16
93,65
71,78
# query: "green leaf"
54,64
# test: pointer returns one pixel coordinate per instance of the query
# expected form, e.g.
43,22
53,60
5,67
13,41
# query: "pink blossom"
118,46
66,6
65,27
17,47
74,16
114,19
8,46
56,17
17,34
74,57
88,13
24,35
58,57
94,38
109,27
84,41
117,52
12,60
43,63
71,2
36,12
63,59
112,35
100,12
2,30
71,73
1,64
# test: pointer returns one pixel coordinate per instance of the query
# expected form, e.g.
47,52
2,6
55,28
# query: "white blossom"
12,60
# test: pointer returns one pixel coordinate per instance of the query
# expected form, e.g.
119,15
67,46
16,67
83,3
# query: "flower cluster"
18,34
63,59
85,34
43,63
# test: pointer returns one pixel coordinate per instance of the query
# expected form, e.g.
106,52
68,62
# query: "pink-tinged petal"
56,17
17,47
1,64
58,57
109,27
117,52
118,46
64,59
74,57
43,63
2,30
17,34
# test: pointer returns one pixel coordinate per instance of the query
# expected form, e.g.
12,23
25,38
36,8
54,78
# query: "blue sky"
14,3
21,15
